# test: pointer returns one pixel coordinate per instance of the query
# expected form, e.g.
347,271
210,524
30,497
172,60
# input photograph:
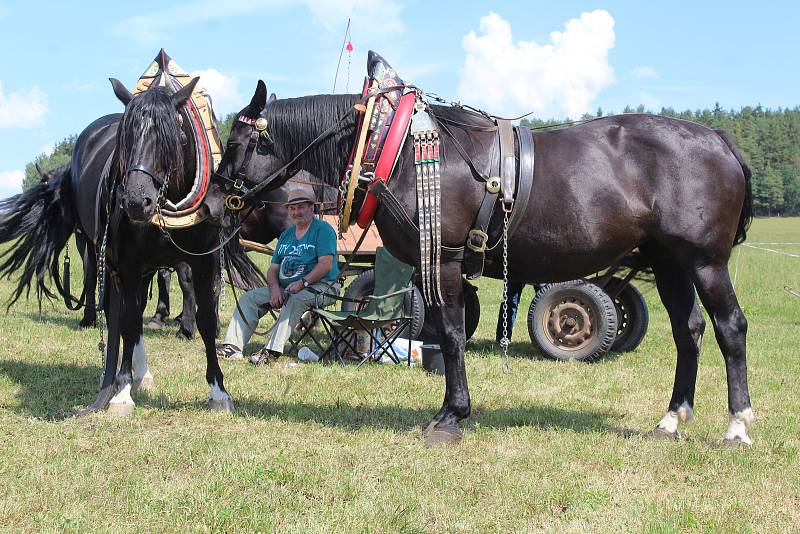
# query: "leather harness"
514,184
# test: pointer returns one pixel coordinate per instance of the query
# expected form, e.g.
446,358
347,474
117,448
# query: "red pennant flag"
349,46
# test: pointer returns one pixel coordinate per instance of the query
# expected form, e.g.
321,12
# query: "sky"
557,59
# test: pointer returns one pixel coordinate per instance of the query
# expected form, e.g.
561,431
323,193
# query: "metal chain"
221,271
343,187
505,342
101,290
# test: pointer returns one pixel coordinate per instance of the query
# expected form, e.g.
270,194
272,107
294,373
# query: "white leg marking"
123,396
142,378
140,368
217,394
669,422
673,418
737,426
685,413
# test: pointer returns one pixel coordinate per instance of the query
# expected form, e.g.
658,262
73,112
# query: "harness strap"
508,162
478,238
525,181
406,224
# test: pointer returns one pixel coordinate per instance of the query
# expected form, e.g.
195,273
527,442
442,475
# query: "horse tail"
746,217
39,221
244,273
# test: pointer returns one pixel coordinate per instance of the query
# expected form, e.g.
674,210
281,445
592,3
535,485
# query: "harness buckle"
493,184
238,183
234,202
476,240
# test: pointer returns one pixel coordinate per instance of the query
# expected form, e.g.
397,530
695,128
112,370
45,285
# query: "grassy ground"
550,447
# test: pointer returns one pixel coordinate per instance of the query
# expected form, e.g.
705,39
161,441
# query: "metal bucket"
432,359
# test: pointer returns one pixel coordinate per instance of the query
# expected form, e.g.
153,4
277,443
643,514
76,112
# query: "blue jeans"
512,298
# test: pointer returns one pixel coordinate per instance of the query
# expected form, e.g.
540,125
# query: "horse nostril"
147,202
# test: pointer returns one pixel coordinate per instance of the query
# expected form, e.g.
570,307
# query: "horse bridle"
161,183
259,134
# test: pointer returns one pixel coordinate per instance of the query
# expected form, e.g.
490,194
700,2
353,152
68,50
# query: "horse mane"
152,113
463,116
295,122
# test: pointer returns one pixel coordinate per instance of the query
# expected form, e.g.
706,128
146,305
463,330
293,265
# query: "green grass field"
550,446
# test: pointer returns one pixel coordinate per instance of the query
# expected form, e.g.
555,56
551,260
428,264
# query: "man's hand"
295,287
276,297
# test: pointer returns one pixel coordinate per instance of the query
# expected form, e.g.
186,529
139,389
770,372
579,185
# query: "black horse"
677,190
121,169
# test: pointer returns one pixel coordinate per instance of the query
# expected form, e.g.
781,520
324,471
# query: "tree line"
769,140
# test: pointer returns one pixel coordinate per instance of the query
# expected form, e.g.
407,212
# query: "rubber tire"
601,307
633,317
472,316
364,285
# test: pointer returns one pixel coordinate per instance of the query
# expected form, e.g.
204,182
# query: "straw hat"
299,196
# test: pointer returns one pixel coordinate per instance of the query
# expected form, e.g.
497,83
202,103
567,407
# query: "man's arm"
275,291
323,267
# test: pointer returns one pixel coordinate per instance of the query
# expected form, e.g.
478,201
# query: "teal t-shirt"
297,258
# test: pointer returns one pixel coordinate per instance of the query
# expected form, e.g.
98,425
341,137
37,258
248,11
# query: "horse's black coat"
677,190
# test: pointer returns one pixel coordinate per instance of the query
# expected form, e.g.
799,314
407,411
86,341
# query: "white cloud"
645,72
47,149
151,27
224,91
25,109
560,78
11,182
332,15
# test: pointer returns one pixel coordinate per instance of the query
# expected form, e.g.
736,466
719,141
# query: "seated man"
304,258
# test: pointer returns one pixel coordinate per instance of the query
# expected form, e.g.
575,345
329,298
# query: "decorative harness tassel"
426,162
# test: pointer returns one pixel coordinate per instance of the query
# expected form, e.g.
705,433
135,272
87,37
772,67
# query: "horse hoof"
665,435
736,443
154,324
146,383
223,405
120,409
439,436
183,336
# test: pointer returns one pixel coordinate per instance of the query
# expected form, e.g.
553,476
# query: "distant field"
550,446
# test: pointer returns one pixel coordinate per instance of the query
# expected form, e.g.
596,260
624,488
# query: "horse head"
249,154
153,151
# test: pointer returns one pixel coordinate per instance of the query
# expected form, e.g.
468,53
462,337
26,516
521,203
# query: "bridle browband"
145,170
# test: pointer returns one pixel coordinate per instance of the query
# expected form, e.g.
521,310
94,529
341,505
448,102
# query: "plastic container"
400,346
307,355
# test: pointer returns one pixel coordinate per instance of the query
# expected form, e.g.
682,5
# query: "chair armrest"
387,295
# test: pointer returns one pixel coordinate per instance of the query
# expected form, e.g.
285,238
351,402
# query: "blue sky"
555,58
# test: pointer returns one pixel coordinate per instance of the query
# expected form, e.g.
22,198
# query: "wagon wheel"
472,315
633,317
364,285
573,320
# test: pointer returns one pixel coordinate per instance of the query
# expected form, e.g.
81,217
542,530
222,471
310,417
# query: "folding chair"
377,313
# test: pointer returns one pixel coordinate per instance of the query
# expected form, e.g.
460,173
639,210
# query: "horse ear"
259,100
122,93
43,173
272,98
185,93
